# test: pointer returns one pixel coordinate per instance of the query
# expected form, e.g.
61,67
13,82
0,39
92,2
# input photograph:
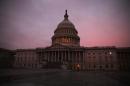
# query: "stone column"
75,56
65,56
47,56
62,56
72,57
68,56
80,57
55,56
52,56
44,56
50,53
84,60
58,55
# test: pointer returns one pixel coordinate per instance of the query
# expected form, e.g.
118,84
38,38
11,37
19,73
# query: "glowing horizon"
31,24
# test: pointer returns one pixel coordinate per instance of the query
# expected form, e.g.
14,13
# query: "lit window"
110,52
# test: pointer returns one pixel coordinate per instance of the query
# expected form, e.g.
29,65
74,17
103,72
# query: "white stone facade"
101,59
26,58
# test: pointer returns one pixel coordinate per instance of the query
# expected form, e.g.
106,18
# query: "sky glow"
31,23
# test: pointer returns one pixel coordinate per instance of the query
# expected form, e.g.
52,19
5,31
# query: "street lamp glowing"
78,65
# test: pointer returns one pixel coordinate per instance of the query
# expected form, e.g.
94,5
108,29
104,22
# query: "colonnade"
64,56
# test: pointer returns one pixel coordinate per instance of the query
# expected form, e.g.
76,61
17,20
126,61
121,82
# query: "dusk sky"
31,23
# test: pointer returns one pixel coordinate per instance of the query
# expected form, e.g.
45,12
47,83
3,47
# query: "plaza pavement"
57,77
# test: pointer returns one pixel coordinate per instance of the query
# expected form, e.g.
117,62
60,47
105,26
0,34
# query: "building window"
107,66
88,53
111,65
94,57
110,53
89,65
24,65
106,58
100,66
94,66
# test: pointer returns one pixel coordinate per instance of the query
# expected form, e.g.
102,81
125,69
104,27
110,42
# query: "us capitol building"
65,52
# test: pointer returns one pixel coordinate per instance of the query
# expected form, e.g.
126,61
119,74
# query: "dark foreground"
57,77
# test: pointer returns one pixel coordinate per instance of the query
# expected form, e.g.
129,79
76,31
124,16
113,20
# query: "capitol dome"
65,33
65,23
